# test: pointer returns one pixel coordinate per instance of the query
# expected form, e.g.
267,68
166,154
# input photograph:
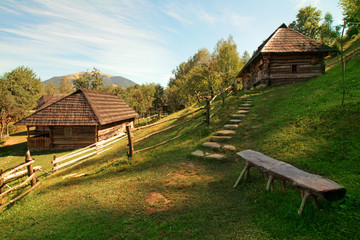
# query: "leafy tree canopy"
89,80
308,22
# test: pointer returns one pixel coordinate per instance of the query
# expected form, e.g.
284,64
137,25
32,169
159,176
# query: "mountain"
108,79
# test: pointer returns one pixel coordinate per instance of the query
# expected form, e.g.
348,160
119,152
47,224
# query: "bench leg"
283,185
314,198
305,196
245,170
270,183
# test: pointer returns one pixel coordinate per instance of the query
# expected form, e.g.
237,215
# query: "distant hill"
108,79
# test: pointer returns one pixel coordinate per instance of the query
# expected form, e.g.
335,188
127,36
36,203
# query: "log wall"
80,136
276,69
113,129
307,67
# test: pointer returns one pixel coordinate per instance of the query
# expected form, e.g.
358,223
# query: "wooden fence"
86,152
10,175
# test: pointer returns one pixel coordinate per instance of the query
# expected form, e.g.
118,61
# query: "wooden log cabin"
79,119
287,56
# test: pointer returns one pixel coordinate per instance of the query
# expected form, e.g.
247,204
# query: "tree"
158,96
66,87
351,11
246,57
20,89
50,89
307,22
89,80
327,32
227,60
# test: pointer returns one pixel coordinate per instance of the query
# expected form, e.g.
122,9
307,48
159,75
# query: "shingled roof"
46,100
286,40
81,108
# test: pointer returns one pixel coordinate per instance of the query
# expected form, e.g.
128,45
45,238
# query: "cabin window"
68,132
294,68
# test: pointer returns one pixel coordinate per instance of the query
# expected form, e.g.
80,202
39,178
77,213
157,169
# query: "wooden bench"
309,184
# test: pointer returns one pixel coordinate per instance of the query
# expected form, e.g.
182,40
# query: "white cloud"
75,34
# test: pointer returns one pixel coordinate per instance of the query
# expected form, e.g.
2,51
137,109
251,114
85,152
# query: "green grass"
165,193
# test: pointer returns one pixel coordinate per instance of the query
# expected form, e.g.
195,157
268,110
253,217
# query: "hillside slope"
165,193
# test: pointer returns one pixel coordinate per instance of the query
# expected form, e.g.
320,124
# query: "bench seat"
309,184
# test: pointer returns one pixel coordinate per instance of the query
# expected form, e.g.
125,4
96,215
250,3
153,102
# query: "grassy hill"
108,79
165,193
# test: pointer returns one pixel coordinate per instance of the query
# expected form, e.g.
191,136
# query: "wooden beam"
131,145
304,198
246,169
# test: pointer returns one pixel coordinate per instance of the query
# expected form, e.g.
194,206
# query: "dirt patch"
14,140
156,199
157,202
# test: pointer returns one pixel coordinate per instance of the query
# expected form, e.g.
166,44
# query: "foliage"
351,12
138,97
227,60
89,80
20,89
50,89
308,22
65,87
328,34
246,57
158,101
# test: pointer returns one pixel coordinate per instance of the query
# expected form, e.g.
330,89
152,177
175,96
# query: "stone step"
220,138
218,146
225,132
200,153
214,145
235,120
242,111
246,104
217,156
238,115
231,126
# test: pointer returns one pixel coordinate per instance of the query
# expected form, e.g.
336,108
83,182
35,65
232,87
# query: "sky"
136,39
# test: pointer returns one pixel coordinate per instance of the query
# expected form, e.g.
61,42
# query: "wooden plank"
32,177
17,168
18,175
20,196
312,183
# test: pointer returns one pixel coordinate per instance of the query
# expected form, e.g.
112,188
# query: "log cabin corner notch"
79,119
286,56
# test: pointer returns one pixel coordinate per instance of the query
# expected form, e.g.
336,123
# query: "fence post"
131,146
1,181
223,95
55,164
207,111
234,87
30,167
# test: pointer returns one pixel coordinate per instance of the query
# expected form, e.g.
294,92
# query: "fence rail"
12,174
91,150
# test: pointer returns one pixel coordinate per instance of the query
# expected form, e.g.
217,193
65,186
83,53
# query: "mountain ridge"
108,79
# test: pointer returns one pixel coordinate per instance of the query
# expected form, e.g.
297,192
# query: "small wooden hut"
287,56
79,119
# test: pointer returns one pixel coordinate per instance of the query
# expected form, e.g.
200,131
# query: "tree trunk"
342,65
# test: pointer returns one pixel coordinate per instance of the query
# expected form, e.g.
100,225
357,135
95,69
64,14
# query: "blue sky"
137,39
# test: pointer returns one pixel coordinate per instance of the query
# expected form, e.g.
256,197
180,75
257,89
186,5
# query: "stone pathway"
217,141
